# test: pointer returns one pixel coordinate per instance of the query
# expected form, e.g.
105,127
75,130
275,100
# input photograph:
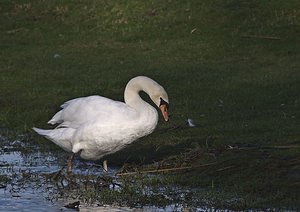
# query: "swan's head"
164,108
156,92
161,99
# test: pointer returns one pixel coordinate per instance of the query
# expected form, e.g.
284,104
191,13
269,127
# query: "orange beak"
164,111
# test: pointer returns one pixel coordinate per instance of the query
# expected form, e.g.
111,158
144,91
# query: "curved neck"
147,115
134,86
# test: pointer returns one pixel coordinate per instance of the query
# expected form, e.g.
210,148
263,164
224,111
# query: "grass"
231,66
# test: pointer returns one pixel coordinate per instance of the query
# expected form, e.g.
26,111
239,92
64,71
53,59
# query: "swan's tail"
41,131
61,137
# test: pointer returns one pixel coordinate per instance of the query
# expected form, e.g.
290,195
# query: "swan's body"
96,126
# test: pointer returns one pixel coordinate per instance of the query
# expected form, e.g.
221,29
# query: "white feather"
191,123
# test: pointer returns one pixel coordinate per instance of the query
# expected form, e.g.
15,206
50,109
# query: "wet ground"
26,182
23,186
34,179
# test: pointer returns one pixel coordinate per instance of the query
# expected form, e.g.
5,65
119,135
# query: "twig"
261,37
164,170
253,147
13,31
225,168
284,146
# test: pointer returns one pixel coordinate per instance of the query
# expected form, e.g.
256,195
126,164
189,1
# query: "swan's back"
82,110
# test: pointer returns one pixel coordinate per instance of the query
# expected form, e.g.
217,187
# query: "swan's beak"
164,111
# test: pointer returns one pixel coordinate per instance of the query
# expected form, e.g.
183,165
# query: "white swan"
95,126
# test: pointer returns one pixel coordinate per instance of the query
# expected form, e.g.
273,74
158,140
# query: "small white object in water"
191,123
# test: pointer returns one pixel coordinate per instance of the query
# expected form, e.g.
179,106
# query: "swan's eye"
163,102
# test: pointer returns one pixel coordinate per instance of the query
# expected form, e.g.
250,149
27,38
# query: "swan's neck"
134,100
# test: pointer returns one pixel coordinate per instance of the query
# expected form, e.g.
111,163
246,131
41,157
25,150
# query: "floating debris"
73,205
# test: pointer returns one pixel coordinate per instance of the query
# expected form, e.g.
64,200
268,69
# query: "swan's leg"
105,166
70,163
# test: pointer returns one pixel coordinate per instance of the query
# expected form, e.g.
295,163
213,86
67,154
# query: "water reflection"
22,189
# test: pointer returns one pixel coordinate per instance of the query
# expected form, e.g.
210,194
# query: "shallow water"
27,187
20,194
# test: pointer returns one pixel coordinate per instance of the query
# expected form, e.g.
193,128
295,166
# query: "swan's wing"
82,110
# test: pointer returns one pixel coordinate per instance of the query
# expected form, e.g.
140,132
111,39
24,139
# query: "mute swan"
96,126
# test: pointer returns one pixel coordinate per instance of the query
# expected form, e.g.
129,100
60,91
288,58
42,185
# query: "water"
21,194
27,187
25,184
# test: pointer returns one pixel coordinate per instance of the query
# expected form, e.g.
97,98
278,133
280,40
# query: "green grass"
232,66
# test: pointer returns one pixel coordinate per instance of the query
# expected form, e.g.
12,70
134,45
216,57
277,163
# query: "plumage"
96,126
